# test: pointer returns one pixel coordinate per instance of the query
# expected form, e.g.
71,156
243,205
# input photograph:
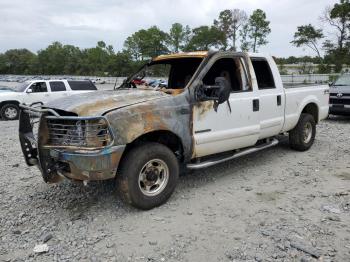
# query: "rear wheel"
302,136
148,175
9,112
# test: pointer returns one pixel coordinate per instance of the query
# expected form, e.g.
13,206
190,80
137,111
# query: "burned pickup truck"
216,106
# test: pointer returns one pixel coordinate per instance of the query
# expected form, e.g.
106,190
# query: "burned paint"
171,113
137,115
202,108
200,54
101,102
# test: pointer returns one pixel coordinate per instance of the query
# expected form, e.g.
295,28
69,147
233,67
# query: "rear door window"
81,85
263,73
57,86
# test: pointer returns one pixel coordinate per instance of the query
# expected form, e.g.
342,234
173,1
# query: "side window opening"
182,71
57,86
39,87
81,85
263,73
231,69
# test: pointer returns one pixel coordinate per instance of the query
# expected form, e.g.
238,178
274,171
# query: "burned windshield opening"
168,74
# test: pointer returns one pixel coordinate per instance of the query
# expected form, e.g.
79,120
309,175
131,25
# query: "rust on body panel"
200,54
101,102
171,113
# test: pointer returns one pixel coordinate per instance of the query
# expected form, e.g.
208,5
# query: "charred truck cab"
215,106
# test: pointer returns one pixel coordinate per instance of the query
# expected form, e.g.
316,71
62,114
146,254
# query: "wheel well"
311,109
167,138
8,102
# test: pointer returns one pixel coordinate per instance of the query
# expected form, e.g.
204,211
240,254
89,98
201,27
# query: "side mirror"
224,89
29,90
220,92
330,84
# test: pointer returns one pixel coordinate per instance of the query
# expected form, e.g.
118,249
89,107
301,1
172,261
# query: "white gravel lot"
268,206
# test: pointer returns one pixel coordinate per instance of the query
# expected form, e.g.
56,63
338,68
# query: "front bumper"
97,165
339,109
57,163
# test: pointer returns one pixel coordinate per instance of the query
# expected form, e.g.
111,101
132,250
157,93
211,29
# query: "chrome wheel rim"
307,134
10,112
153,177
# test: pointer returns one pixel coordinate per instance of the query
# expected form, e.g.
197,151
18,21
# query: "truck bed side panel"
298,98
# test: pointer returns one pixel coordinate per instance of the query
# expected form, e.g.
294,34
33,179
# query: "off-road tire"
296,135
7,106
130,168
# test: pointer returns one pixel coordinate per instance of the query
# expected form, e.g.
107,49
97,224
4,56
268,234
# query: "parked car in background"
157,83
39,91
217,106
138,81
5,89
339,103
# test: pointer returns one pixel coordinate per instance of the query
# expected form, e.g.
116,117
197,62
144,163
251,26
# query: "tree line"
336,45
231,30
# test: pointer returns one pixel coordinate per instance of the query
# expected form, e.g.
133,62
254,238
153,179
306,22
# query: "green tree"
95,60
205,37
148,43
18,61
338,17
59,59
121,64
178,37
245,43
3,66
229,22
255,33
307,35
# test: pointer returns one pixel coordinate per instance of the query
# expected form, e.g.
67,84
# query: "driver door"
235,124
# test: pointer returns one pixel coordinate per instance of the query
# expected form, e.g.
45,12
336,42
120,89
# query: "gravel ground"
275,205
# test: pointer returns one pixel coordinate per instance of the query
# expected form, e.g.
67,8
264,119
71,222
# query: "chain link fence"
309,78
288,79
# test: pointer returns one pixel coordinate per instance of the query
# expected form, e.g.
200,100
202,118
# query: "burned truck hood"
100,102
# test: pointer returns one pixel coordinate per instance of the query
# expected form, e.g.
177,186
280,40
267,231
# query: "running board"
244,152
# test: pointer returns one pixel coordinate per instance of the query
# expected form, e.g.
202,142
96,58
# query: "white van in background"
39,91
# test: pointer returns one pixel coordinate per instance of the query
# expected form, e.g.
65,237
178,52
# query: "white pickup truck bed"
299,96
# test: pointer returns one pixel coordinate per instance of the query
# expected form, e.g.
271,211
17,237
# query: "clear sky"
34,24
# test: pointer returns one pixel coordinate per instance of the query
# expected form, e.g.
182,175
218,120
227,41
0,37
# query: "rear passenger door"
58,90
271,98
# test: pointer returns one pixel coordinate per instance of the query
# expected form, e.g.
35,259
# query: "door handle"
279,100
256,105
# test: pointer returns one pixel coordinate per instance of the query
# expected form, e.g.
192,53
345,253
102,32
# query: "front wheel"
148,175
9,112
302,136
